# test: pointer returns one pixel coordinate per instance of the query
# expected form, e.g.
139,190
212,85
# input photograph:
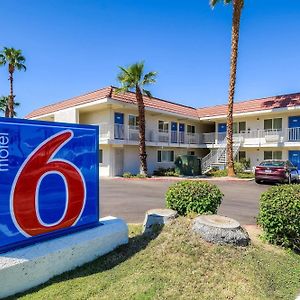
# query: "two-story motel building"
267,128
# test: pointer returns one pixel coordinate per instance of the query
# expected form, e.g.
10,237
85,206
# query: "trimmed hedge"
194,196
279,215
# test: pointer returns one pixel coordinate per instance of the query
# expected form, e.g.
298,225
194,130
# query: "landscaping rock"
158,217
220,230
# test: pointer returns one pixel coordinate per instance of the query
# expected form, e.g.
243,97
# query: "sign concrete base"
28,267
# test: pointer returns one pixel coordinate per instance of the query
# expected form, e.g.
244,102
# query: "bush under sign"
49,180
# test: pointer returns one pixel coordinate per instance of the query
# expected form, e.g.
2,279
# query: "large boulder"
158,217
220,230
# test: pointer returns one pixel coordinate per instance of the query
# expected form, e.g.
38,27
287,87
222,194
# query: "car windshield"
272,163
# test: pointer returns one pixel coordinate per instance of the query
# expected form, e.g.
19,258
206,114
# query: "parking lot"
129,199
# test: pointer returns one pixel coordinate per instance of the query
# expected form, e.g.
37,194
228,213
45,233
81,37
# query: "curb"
185,178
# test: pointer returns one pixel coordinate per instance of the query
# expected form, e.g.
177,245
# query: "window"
277,155
100,156
273,155
273,124
191,152
277,124
165,156
163,126
239,127
191,129
242,155
242,127
268,155
133,121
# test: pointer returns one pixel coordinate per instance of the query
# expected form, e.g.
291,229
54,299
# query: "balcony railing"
249,137
131,133
259,137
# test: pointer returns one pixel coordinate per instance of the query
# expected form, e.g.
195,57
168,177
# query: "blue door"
294,157
119,126
181,133
173,132
222,129
294,128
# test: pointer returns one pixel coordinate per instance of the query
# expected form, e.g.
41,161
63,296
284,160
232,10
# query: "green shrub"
140,176
246,163
279,215
218,173
194,197
127,175
165,172
239,167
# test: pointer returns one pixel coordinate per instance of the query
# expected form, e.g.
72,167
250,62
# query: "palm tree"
237,10
134,79
4,100
4,105
15,60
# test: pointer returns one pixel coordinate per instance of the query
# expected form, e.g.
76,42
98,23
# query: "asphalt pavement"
130,199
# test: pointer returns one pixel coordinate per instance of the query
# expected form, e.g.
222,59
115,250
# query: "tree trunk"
142,138
237,10
11,97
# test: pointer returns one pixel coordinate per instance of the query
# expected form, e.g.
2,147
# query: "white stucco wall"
69,115
105,167
256,155
257,122
132,163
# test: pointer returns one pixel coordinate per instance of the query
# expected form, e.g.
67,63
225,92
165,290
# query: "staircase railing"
219,156
212,157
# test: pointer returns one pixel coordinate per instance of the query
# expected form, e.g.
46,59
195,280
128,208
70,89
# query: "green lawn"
175,264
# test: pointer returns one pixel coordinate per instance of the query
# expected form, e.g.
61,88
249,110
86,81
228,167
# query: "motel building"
267,128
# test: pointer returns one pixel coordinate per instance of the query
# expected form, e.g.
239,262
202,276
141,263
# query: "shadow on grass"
103,263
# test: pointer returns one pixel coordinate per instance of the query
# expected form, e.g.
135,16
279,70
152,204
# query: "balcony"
257,137
130,135
119,133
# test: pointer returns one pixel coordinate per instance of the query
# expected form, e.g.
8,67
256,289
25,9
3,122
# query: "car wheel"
258,181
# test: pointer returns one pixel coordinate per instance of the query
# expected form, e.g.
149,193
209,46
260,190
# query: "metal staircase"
218,157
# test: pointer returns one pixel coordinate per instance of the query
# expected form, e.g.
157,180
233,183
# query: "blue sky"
75,46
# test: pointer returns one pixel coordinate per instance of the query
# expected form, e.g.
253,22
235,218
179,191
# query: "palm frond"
149,78
147,93
213,3
121,90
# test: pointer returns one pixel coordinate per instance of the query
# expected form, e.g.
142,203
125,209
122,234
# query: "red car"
282,171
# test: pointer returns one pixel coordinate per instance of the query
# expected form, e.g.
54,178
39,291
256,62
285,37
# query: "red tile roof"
109,92
252,105
267,103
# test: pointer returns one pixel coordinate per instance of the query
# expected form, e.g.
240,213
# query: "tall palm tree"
4,100
236,17
15,61
133,78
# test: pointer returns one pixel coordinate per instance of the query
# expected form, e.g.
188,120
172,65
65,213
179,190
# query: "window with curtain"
133,121
165,156
191,129
163,126
273,124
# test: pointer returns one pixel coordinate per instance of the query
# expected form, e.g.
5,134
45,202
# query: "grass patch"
176,264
